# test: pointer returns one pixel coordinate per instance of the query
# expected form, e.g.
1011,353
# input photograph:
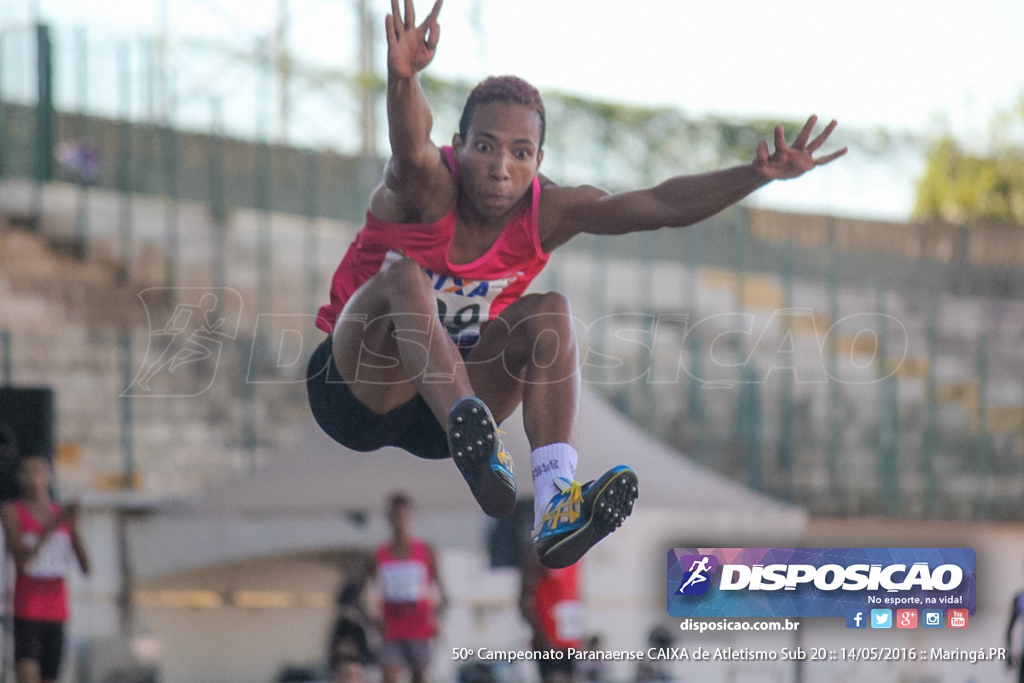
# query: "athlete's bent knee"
553,303
549,330
550,315
405,278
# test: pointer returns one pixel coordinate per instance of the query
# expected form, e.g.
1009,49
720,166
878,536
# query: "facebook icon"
855,618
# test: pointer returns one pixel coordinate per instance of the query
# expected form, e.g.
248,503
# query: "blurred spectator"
593,670
80,160
1015,646
550,602
411,594
655,670
43,539
349,653
348,648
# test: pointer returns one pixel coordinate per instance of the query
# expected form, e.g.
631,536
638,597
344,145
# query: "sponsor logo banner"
819,582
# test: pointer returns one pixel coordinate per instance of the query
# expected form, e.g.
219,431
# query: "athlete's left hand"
791,161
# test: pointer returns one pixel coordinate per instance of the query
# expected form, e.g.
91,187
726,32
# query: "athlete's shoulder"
559,212
420,195
554,195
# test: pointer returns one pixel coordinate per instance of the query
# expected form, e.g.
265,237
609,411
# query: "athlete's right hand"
410,47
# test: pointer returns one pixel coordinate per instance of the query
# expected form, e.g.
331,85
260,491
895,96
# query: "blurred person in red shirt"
43,539
550,603
411,595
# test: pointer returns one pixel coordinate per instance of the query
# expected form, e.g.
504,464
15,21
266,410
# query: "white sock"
549,463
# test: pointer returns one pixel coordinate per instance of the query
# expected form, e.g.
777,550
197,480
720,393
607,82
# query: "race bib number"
463,305
403,581
53,560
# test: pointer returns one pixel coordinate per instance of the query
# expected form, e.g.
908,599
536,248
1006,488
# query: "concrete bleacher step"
65,319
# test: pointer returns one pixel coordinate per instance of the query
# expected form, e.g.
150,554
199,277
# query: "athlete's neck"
475,221
401,545
39,506
37,499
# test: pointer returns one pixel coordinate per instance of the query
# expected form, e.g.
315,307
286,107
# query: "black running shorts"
41,641
411,426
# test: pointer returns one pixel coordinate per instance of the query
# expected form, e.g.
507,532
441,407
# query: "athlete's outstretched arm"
410,49
683,200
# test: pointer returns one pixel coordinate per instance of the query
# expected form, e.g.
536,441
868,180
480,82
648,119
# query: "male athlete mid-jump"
433,341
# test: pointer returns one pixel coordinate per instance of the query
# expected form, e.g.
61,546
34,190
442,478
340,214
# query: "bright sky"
914,65
897,63
919,66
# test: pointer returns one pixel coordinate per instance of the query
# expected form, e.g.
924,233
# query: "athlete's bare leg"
389,344
27,671
529,355
391,674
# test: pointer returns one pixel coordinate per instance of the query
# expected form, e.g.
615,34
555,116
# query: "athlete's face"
499,158
34,475
400,516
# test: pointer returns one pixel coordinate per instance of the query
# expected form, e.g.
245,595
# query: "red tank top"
405,584
468,294
557,601
40,592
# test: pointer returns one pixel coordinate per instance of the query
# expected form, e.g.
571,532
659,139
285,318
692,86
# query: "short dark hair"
399,499
510,89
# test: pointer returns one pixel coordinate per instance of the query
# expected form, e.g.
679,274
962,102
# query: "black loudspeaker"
26,428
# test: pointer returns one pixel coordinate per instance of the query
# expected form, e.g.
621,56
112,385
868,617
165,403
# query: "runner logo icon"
696,581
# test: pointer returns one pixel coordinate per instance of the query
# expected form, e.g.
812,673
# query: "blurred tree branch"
961,187
618,145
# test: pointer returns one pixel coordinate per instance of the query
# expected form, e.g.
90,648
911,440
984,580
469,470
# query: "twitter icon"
881,618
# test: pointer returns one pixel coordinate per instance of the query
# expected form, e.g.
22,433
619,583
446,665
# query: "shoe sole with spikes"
480,456
607,502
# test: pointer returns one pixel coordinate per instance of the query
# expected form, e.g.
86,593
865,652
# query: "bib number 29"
467,317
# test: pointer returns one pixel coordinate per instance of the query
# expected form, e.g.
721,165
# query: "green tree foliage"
961,187
620,146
